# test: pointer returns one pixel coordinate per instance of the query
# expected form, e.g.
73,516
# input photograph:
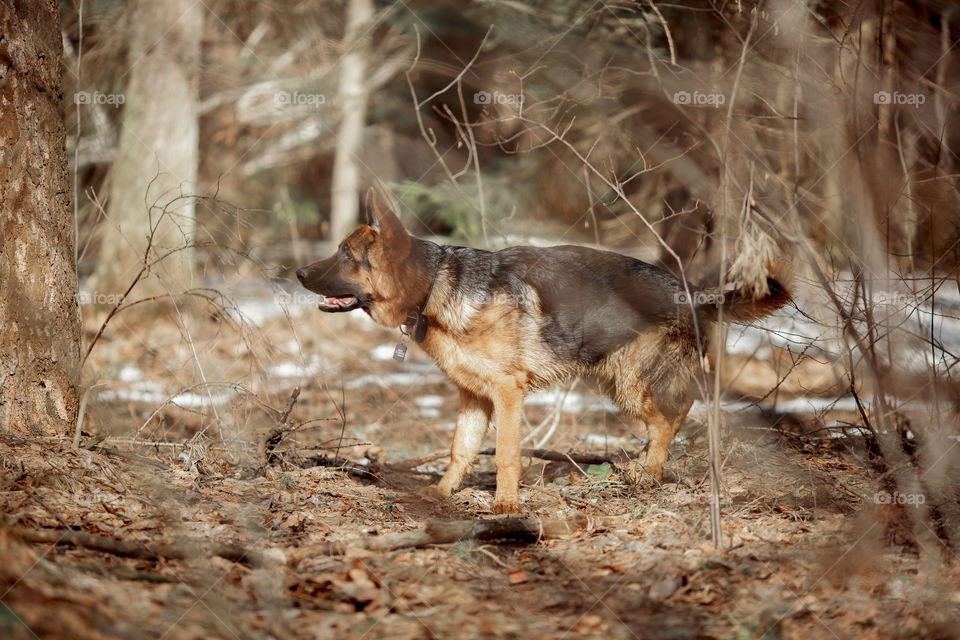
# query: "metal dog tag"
415,322
400,352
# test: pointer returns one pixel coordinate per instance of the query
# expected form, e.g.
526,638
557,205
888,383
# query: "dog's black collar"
415,324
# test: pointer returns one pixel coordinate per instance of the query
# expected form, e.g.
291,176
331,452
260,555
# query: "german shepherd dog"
502,323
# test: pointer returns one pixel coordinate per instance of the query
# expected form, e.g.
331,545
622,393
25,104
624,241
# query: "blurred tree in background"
353,96
156,160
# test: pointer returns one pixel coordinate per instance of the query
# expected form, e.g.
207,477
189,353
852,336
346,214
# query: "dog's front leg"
507,405
472,422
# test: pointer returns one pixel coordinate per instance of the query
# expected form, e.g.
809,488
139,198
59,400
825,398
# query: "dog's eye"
347,255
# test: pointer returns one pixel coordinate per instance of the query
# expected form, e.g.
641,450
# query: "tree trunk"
39,325
157,157
353,92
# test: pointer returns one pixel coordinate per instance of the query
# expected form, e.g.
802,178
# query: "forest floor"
171,522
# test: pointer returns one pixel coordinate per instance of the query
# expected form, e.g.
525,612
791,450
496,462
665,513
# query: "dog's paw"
506,504
641,477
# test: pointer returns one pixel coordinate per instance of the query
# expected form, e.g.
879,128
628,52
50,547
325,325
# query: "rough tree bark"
39,324
353,93
157,156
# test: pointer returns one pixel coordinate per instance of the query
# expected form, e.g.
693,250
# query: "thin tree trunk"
353,93
157,157
39,325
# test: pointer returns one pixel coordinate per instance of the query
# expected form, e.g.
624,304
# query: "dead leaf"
518,576
664,587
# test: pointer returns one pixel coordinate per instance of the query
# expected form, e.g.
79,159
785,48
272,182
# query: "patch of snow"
700,410
608,441
148,392
310,369
785,330
574,402
130,373
818,405
802,405
258,310
387,380
429,406
836,430
191,400
429,401
382,353
291,346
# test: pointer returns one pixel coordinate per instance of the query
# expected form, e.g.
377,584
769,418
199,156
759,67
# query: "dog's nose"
302,274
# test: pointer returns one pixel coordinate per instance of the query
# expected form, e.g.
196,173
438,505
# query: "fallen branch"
125,549
451,531
556,456
431,533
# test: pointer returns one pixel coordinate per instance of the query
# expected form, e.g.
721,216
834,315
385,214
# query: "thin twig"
666,30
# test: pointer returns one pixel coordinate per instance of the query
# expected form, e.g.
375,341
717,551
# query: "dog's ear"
384,220
369,218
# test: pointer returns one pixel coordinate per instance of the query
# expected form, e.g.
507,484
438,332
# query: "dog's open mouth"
339,303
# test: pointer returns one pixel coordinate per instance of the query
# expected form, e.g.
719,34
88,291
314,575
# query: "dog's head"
368,271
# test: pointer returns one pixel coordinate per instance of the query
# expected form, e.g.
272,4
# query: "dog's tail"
745,304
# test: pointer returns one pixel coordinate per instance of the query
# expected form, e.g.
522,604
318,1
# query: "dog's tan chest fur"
481,355
500,341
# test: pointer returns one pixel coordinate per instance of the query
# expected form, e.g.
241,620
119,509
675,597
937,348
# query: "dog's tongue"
339,301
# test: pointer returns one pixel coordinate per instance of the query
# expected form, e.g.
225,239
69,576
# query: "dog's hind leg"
662,407
472,422
649,380
661,429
